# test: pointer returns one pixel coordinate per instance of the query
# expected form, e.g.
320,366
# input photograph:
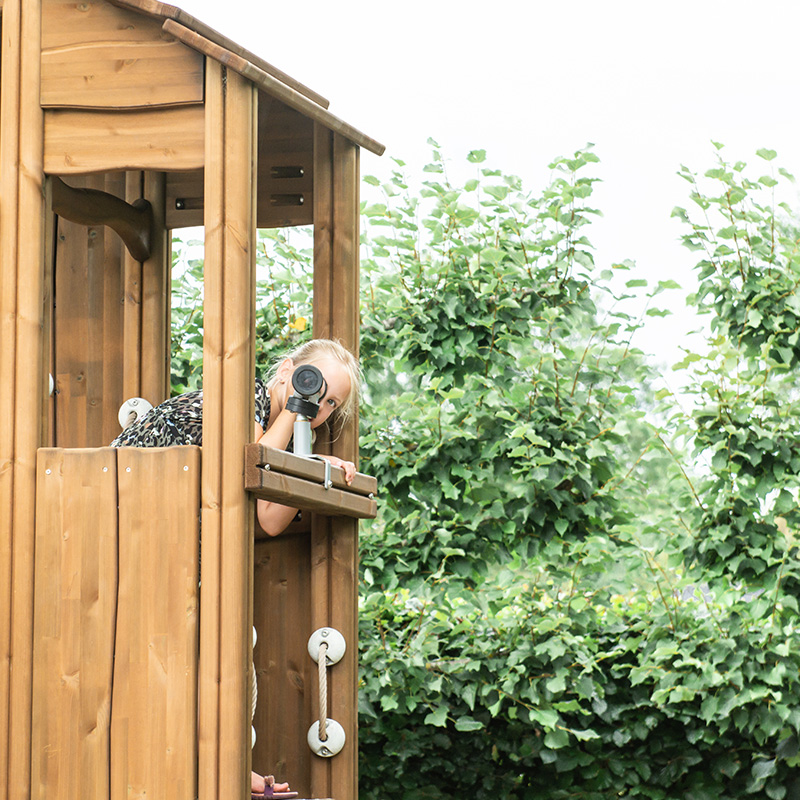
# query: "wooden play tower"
125,653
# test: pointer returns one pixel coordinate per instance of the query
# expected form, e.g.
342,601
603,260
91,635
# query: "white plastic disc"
332,745
335,641
137,405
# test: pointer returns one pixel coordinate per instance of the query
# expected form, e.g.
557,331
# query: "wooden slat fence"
116,624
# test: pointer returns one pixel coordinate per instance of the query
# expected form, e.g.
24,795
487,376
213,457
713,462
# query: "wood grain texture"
156,278
87,327
266,82
95,55
164,11
78,141
21,41
299,493
309,469
228,370
281,615
9,191
154,713
74,622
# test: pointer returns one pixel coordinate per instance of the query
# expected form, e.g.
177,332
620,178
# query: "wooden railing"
272,474
116,624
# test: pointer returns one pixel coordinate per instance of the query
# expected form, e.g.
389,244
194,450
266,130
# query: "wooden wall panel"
74,622
97,56
228,370
286,675
88,327
111,318
115,624
154,713
285,165
80,142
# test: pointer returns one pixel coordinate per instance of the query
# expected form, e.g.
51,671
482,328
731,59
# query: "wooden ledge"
285,478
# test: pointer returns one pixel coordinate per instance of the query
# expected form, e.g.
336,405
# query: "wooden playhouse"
125,656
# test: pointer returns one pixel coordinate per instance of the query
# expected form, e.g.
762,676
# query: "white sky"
650,84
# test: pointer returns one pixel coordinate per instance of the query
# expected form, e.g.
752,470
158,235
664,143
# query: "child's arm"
274,517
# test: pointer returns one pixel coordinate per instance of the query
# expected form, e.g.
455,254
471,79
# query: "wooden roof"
212,44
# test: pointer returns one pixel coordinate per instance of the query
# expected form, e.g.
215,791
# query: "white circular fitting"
334,640
136,405
334,742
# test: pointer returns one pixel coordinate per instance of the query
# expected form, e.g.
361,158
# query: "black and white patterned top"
179,420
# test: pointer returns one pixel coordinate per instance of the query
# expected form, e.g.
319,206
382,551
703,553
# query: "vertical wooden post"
228,369
334,546
21,278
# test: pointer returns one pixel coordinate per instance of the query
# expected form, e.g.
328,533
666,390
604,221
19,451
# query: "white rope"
131,419
322,668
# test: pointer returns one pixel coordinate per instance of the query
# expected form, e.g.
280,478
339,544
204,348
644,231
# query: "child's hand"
348,466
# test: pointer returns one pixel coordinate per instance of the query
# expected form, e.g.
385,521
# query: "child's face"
338,380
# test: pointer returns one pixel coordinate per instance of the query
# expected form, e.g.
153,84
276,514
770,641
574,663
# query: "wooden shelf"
282,477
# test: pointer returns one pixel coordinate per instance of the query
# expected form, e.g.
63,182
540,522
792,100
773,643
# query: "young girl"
179,421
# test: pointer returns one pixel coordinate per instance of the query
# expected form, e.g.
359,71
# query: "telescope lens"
307,380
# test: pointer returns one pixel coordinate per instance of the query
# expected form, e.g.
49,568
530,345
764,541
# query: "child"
179,421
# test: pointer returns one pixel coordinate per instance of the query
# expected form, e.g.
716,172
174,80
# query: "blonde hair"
315,350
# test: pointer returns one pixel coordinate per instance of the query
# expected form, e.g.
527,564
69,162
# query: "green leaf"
766,154
437,717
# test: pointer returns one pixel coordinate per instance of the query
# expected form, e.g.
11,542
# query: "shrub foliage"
579,585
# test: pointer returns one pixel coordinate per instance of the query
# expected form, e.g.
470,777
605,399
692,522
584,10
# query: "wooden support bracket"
282,477
133,222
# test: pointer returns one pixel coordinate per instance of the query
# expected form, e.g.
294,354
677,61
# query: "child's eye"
331,402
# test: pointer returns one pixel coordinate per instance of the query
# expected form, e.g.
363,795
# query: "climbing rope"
322,669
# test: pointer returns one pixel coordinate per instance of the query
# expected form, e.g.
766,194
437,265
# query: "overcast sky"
649,84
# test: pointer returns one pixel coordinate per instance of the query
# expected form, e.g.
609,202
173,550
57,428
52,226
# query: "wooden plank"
238,366
88,322
163,11
154,714
228,369
285,165
263,80
308,469
299,493
27,349
98,56
335,544
78,141
9,191
74,622
156,272
132,306
48,363
286,685
320,579
210,578
184,199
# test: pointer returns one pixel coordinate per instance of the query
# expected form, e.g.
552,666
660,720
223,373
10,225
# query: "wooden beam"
21,333
298,493
79,142
163,11
272,86
308,469
228,373
334,557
